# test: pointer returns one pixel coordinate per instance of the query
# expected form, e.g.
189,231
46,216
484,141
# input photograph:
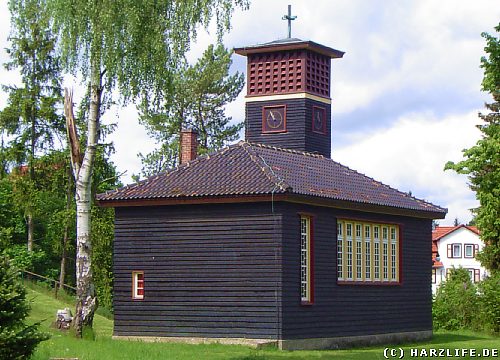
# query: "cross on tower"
289,17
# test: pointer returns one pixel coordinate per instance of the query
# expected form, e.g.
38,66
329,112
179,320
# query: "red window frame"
138,285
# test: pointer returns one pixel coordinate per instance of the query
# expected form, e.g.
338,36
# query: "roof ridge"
269,172
292,151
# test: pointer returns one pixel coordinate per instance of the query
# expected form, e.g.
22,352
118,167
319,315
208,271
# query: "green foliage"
137,43
23,259
17,339
459,304
11,221
489,298
456,302
482,161
201,94
102,254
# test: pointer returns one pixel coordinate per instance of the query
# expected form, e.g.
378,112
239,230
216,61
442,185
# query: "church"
270,241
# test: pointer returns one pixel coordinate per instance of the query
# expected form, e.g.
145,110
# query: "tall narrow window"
376,252
306,295
368,269
394,259
349,250
138,285
385,253
340,250
359,253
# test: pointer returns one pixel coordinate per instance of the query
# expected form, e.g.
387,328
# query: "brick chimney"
189,145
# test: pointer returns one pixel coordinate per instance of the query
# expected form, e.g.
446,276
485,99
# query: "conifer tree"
17,339
201,93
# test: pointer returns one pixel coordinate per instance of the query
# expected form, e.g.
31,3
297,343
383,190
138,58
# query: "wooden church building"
270,240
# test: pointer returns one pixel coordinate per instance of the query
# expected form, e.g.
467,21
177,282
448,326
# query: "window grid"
376,251
276,73
394,259
340,251
369,252
305,293
359,257
368,272
349,251
385,254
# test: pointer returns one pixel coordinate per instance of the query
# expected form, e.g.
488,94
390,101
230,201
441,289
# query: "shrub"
456,302
17,339
489,300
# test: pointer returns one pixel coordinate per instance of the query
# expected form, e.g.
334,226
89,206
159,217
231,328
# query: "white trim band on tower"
301,95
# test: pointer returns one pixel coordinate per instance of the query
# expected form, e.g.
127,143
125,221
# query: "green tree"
31,115
482,161
130,46
17,339
202,92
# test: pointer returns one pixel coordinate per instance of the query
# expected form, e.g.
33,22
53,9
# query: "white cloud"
411,156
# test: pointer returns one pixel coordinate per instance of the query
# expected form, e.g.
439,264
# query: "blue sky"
405,96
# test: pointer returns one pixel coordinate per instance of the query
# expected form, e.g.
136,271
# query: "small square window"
469,250
138,285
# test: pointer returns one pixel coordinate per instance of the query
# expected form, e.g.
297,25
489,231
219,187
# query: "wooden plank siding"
299,134
353,310
233,270
209,271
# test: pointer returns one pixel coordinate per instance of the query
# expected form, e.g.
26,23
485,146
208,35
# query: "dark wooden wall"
228,271
299,134
210,271
352,310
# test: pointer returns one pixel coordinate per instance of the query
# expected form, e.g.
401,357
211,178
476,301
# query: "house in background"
455,246
270,240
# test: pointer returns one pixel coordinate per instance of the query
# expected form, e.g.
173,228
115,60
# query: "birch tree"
130,46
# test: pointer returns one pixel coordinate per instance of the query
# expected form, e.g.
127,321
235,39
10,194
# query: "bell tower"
288,100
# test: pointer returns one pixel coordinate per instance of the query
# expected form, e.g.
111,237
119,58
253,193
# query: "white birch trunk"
31,231
86,297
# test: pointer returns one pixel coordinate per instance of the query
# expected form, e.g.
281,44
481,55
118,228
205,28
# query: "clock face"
319,120
274,119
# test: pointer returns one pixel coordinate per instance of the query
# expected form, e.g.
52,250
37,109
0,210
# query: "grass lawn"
64,345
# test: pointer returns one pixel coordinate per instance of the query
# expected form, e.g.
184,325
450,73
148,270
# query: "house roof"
441,231
247,169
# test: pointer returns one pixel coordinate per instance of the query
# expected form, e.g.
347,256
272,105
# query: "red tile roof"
254,169
441,231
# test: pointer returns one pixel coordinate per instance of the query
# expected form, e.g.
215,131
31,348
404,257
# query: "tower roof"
289,44
247,169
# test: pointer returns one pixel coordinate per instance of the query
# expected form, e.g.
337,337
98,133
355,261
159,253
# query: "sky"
405,96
